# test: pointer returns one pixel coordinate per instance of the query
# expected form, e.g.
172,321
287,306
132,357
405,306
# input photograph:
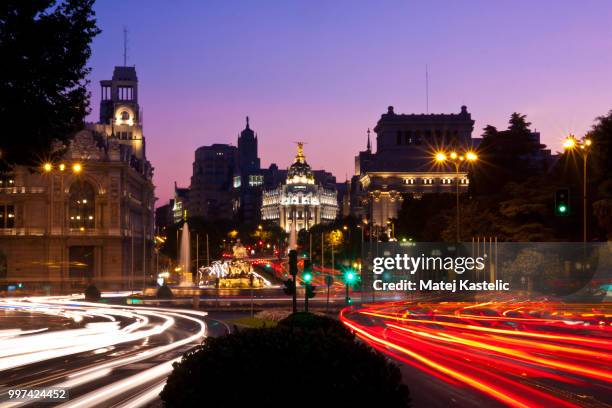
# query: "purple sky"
323,71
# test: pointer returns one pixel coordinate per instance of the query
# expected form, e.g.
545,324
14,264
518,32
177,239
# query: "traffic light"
289,289
562,206
307,275
293,268
310,291
348,300
350,277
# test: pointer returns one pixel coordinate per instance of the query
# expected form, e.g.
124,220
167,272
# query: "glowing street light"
76,168
470,157
47,167
571,144
440,157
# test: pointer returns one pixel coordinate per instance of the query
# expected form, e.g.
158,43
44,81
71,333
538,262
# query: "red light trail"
523,354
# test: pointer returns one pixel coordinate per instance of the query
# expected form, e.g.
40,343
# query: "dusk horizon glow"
324,73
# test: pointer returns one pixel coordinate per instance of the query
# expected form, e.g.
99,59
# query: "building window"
409,181
126,93
125,115
6,180
465,181
255,180
82,206
427,181
7,216
447,180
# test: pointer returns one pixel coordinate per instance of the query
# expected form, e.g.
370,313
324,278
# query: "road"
103,354
519,354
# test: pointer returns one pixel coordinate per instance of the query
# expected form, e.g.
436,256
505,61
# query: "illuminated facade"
87,217
403,162
300,201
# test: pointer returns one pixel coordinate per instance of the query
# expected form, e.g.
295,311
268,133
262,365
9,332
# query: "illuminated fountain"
185,258
292,237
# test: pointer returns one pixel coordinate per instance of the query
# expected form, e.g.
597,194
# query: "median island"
303,359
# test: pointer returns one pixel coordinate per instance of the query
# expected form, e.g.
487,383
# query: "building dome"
300,172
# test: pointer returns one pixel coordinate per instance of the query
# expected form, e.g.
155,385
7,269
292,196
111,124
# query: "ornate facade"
88,216
300,201
403,162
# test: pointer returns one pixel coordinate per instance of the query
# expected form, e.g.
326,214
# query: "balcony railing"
22,190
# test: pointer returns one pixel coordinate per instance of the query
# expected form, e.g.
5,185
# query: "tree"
44,48
506,156
489,131
601,135
518,124
602,208
425,218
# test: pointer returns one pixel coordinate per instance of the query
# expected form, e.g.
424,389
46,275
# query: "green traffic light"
350,277
307,277
562,208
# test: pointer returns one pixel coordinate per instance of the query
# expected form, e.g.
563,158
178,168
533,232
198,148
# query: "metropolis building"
88,216
300,201
403,162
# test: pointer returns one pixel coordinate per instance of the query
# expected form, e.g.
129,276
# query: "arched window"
125,115
81,209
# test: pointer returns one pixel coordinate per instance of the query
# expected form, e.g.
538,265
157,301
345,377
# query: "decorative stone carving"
83,147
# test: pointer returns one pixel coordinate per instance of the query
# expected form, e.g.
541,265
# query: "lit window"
7,216
81,208
409,181
256,180
125,115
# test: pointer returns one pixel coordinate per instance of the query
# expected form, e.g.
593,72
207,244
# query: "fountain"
292,237
185,257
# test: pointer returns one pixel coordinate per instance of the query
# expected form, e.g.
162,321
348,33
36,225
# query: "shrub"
92,293
312,322
295,364
164,292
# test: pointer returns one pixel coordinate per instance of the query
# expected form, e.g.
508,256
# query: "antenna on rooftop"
125,45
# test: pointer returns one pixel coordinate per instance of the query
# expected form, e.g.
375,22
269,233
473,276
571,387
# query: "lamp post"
50,169
583,147
457,159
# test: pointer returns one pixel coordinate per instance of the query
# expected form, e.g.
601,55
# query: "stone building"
403,162
300,201
88,216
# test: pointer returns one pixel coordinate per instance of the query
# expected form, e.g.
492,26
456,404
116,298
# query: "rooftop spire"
369,145
247,122
300,153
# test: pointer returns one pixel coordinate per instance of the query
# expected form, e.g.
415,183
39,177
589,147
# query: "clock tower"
120,115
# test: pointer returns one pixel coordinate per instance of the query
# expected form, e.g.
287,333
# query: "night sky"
324,71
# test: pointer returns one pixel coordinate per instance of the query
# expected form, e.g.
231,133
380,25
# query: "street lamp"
457,159
583,147
50,169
